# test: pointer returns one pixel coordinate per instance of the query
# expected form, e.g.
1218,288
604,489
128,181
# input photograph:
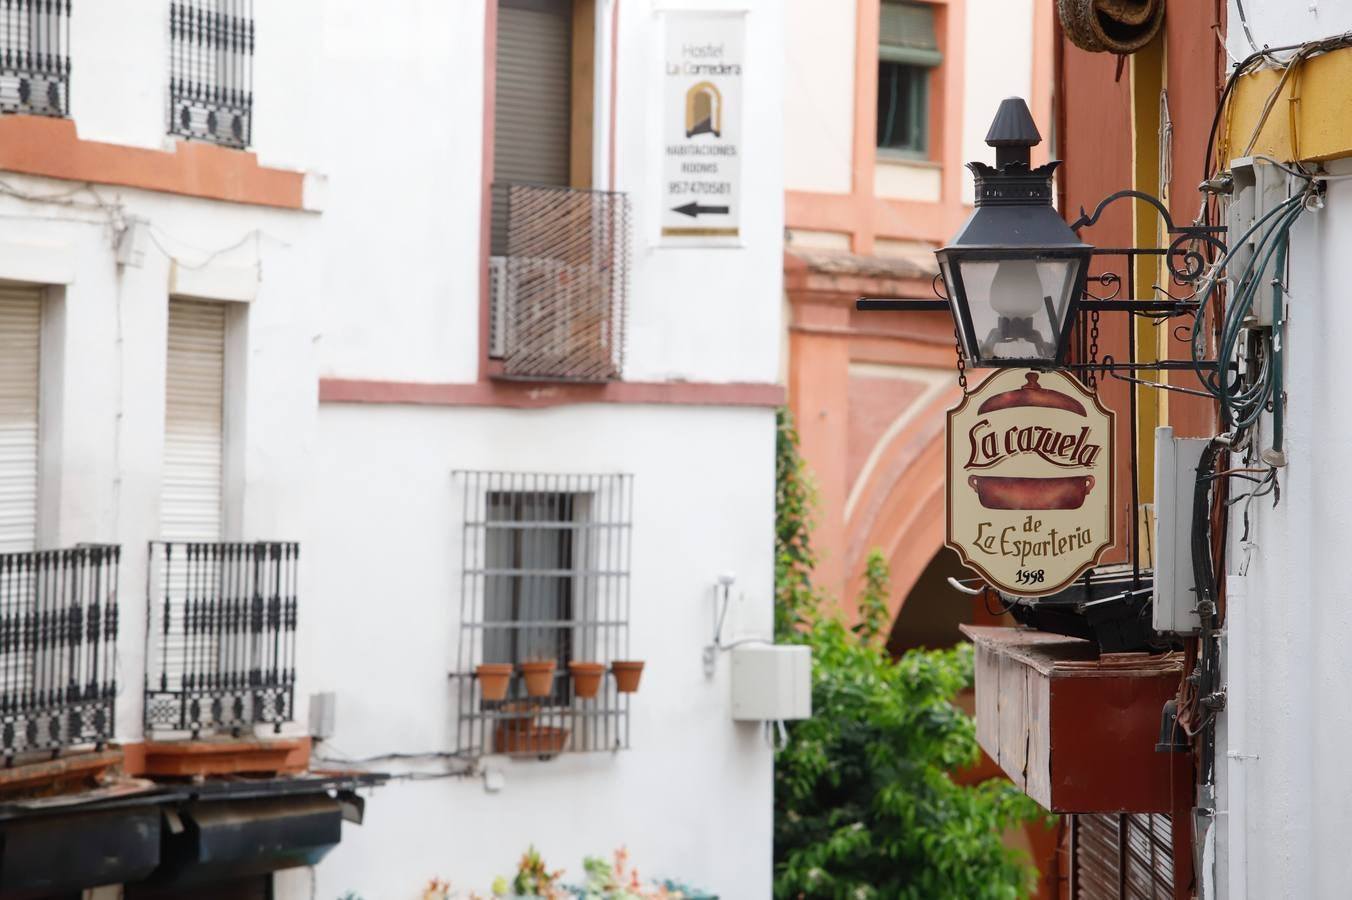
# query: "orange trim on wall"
38,145
533,395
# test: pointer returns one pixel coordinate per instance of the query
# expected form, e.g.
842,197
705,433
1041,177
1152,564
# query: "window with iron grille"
34,57
211,45
544,579
908,51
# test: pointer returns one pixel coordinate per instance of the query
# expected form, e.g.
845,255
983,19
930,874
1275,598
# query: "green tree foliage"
795,600
864,803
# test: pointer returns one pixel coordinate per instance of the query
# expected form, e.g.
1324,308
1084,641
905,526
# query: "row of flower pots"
494,678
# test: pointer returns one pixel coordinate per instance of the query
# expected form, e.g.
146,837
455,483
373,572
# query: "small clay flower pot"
539,676
493,680
627,674
586,678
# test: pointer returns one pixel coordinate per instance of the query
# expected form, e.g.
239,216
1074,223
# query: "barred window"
211,45
34,57
545,581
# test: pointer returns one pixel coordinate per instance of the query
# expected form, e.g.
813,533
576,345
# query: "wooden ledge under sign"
1076,730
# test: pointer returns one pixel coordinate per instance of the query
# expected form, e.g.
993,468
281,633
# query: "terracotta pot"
1031,493
539,675
493,680
586,678
627,674
540,740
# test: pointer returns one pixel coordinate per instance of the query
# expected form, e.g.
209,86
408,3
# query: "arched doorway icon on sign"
703,110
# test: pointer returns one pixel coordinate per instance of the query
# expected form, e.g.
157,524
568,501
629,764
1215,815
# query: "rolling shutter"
1123,857
532,109
193,422
20,320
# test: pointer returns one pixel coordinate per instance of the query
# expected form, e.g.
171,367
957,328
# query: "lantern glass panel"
1018,306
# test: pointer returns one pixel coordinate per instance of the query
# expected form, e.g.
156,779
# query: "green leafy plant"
795,599
534,879
864,803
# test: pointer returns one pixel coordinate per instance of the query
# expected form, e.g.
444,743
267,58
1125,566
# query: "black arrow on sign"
693,209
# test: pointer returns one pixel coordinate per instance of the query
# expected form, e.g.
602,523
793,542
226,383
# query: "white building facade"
498,425
1282,814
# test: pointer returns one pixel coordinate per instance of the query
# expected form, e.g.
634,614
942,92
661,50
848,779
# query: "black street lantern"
1015,271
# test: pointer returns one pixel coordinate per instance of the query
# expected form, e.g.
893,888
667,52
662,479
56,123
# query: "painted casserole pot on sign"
1030,463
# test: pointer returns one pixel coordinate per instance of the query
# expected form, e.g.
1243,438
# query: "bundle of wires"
1243,400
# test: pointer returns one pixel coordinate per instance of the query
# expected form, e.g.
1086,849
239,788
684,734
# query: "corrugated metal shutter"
532,114
193,422
20,328
1123,857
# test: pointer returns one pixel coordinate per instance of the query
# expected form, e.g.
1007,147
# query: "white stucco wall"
818,122
692,798
1284,785
998,64
1276,23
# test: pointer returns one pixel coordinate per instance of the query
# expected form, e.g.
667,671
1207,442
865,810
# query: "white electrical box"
771,682
1258,187
323,707
1174,610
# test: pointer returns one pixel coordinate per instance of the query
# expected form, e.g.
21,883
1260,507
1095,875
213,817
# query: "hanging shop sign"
701,199
1030,480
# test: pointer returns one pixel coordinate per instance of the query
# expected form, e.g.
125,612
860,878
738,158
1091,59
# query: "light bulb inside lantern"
1017,298
1016,290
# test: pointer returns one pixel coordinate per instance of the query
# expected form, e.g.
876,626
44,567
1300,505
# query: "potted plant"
493,679
539,676
586,677
627,674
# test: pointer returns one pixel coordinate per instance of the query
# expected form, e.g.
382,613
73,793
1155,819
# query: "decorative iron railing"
58,635
34,57
222,636
559,275
211,44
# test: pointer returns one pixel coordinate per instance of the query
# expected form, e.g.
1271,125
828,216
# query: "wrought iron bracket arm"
1085,220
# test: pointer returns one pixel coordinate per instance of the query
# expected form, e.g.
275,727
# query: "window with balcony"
559,251
35,57
211,45
908,53
545,600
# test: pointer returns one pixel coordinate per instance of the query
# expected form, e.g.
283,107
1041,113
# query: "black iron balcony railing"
559,275
58,635
222,636
211,70
34,57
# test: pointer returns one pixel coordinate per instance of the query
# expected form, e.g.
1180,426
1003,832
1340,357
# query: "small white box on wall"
771,682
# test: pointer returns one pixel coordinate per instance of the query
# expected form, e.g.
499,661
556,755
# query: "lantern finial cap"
1013,125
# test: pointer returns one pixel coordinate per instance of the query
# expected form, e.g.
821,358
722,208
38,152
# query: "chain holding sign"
1030,480
702,129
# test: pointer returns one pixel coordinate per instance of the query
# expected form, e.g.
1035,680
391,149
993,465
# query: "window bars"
222,636
35,57
211,45
545,578
58,634
559,277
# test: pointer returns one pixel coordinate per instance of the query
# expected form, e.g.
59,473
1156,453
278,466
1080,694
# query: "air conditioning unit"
542,306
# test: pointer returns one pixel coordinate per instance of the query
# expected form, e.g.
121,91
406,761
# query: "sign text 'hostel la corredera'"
701,196
1030,480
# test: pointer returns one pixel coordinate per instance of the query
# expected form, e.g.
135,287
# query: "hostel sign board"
701,202
1030,480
